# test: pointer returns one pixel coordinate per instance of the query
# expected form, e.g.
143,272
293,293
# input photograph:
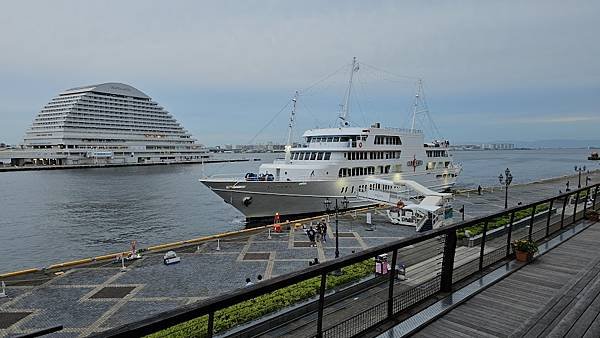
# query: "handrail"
209,306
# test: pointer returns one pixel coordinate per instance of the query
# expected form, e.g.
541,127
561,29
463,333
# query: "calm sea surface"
53,216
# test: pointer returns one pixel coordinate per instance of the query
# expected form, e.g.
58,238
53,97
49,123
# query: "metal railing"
396,301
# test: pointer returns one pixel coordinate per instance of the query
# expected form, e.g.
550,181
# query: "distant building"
498,146
108,123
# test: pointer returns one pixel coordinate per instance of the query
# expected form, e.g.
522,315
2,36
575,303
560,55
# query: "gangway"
412,203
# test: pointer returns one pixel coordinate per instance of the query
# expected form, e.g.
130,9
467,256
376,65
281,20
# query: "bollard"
218,244
123,267
3,293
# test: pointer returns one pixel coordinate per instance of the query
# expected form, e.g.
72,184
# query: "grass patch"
265,304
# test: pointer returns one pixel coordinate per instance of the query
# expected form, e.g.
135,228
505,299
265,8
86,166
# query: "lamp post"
327,203
506,181
579,170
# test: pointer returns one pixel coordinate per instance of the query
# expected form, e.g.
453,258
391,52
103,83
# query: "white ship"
338,163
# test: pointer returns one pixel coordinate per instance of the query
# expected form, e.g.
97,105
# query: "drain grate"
113,292
7,319
345,234
302,244
257,256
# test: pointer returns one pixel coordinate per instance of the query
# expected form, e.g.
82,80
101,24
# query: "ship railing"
538,221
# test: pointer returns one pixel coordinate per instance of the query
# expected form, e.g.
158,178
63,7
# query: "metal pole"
562,217
337,243
531,222
512,219
485,225
548,219
448,261
595,196
575,207
392,273
211,321
587,197
321,305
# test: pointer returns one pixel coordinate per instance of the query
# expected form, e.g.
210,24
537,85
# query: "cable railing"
438,261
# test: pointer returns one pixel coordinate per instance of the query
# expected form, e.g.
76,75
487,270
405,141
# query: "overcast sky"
493,70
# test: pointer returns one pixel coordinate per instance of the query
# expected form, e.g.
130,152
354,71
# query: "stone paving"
94,298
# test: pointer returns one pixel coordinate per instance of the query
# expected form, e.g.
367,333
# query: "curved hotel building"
109,123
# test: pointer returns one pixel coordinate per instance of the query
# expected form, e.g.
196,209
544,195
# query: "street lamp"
579,170
327,203
506,183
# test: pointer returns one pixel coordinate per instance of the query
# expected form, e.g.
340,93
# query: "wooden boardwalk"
557,295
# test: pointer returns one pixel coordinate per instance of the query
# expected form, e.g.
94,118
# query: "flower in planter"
525,245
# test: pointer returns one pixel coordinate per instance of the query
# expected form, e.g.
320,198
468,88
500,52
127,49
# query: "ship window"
313,156
327,156
319,156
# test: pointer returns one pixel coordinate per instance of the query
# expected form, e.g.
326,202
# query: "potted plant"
524,249
592,215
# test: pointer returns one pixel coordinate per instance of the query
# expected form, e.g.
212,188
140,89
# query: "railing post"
562,216
595,196
392,273
321,305
587,197
575,207
483,236
508,238
531,222
548,219
211,324
448,261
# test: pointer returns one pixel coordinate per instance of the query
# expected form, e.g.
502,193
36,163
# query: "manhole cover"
257,256
302,244
113,292
345,234
9,318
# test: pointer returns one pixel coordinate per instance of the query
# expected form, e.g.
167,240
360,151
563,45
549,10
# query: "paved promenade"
92,298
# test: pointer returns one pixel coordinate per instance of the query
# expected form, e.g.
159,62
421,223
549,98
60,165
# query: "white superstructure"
106,123
338,163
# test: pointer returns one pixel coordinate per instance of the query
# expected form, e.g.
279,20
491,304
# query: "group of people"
317,234
249,281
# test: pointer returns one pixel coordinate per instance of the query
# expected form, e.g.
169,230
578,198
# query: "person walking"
311,236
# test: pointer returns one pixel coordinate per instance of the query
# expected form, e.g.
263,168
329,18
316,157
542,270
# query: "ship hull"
261,200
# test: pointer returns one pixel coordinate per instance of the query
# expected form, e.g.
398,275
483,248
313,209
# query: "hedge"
265,304
500,221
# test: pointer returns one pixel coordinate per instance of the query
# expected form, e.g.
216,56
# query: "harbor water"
52,216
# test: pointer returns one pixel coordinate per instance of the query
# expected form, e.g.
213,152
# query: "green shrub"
268,303
500,221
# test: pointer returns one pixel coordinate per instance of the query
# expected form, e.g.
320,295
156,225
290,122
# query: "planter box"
499,232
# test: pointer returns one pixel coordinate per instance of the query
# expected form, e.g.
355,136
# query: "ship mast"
416,106
346,106
288,146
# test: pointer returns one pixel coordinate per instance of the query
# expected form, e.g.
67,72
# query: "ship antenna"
346,106
288,146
